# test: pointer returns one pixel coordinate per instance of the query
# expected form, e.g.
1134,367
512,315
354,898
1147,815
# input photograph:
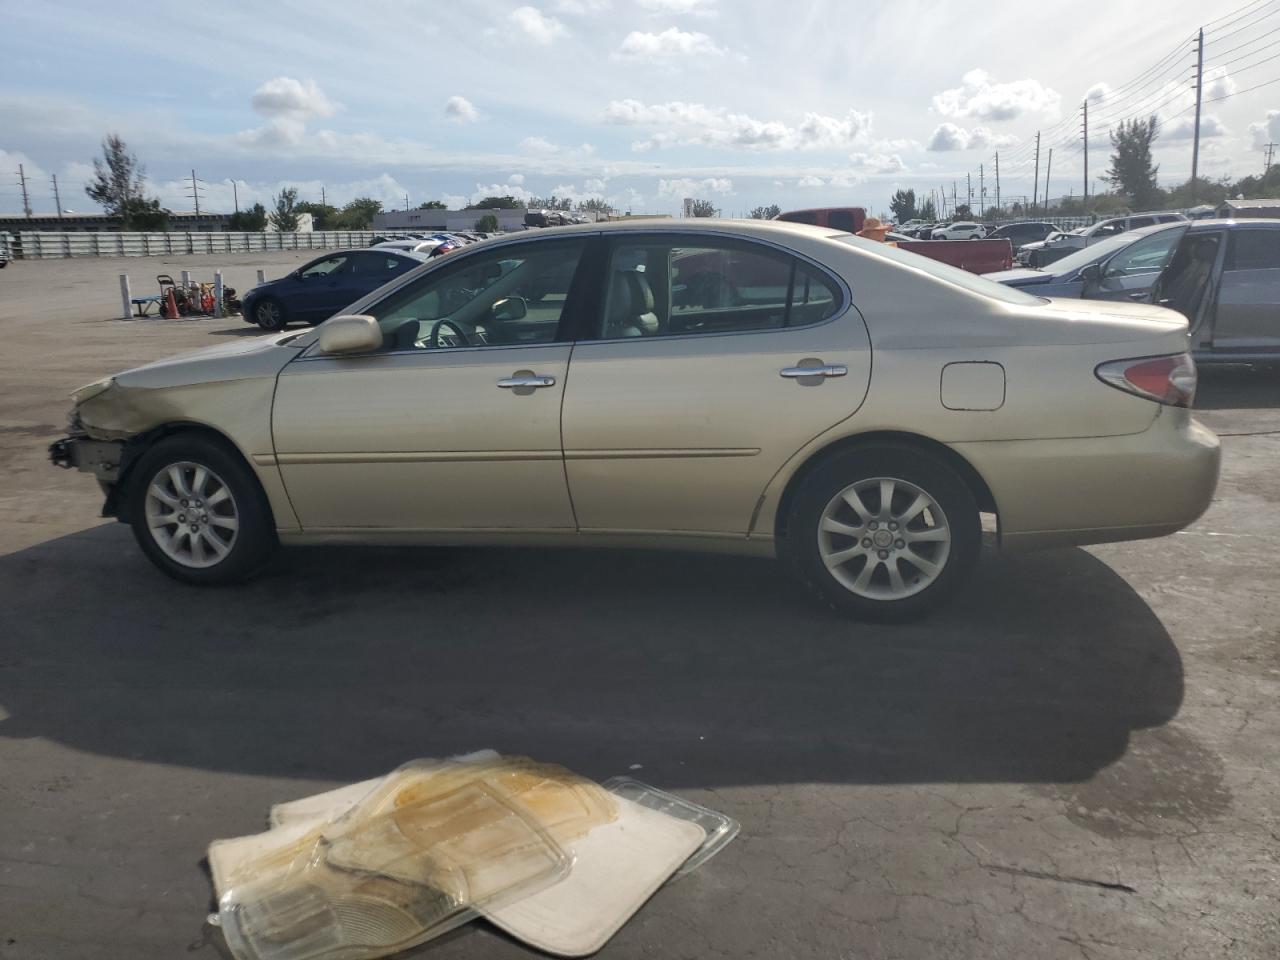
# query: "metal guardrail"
53,245
6,245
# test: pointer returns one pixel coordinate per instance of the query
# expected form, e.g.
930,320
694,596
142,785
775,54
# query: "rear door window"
842,220
1254,250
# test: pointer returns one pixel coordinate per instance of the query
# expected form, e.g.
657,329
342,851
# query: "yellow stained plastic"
431,841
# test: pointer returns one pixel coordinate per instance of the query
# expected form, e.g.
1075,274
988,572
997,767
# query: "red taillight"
1170,380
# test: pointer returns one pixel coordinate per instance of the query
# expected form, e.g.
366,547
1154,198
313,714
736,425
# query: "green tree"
117,185
927,212
432,205
963,212
702,208
142,214
596,205
285,217
1212,192
1132,173
487,224
253,220
766,213
903,205
358,214
324,216
496,203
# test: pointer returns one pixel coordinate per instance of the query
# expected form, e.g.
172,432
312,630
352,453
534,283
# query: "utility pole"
1035,190
997,184
982,189
1084,203
406,203
57,200
1047,170
1271,147
968,179
323,201
195,195
955,196
1195,148
235,195
22,182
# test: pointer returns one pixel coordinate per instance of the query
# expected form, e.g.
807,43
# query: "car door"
320,287
370,269
1248,305
1131,273
693,385
455,423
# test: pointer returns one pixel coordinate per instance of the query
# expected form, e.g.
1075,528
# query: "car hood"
249,356
1019,278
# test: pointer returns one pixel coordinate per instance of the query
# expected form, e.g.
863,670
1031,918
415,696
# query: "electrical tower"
196,190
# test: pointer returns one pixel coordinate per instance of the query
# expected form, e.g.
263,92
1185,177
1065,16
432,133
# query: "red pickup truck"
975,256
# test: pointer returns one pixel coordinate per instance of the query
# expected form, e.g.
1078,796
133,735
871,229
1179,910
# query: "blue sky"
641,102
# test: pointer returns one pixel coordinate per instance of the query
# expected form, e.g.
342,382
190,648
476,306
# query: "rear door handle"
826,370
530,381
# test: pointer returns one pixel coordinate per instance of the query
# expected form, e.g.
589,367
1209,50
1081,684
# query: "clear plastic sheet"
719,828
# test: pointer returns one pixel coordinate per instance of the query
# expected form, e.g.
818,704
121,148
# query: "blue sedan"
319,289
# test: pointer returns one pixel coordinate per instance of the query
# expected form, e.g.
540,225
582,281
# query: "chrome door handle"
531,381
826,370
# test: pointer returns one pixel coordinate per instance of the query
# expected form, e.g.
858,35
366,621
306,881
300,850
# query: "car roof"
685,225
1231,222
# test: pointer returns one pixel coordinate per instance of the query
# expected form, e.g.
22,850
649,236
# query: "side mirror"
1091,274
354,333
509,308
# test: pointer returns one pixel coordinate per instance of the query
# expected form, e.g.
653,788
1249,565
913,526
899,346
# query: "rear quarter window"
1254,250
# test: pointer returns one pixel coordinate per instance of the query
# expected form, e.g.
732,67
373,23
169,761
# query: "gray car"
1123,267
1222,275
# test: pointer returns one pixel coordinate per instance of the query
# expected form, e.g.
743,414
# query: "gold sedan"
745,387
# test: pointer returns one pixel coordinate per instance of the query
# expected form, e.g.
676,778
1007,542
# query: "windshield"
1090,254
970,282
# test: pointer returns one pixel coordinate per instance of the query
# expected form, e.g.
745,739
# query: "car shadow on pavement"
338,664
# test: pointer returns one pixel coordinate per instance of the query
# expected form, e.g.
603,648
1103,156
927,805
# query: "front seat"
630,306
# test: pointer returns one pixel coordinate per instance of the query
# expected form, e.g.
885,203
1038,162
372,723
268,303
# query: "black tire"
801,545
269,314
255,539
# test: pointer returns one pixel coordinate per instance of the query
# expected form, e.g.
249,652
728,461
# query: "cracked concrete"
1077,760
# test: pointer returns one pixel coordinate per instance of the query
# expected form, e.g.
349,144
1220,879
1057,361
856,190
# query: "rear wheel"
884,533
269,314
198,512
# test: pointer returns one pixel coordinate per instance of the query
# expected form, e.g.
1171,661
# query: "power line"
1247,26
1258,86
1249,42
1252,3
1252,65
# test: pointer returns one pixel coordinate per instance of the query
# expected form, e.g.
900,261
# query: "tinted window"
377,264
1148,255
1138,222
1255,250
669,287
510,295
803,217
842,220
326,266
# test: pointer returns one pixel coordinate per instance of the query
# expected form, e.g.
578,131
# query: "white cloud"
537,145
809,180
580,8
1266,131
697,8
677,123
948,136
1184,128
594,185
1098,92
278,134
460,110
978,96
1218,83
501,190
688,187
530,23
878,163
287,97
666,46
516,179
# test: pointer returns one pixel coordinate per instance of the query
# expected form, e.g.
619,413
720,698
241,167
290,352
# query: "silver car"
753,387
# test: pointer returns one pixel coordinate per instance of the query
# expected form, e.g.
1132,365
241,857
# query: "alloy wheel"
192,515
884,538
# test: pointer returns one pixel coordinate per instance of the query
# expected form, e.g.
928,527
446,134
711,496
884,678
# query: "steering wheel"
433,339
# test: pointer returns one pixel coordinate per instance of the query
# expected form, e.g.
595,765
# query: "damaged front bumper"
105,459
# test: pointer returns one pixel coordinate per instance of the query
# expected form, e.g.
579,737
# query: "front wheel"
269,314
198,512
884,533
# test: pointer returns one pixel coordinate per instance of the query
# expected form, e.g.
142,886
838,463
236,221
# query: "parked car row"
1059,244
1222,275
